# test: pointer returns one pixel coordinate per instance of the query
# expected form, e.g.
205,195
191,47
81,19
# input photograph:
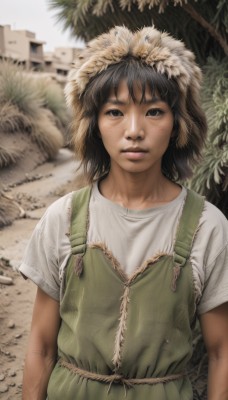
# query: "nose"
134,129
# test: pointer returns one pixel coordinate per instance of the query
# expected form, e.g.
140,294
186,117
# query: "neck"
138,191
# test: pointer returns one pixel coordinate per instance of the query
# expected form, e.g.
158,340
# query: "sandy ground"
47,182
38,188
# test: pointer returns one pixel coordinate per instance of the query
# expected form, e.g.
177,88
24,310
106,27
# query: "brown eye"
154,112
114,113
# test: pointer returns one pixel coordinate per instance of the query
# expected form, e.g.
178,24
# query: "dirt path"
47,183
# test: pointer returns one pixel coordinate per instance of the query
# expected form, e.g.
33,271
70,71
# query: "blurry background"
35,16
38,41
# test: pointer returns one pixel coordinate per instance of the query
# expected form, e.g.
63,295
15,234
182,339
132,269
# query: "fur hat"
159,50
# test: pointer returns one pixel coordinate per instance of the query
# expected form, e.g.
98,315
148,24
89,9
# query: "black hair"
177,161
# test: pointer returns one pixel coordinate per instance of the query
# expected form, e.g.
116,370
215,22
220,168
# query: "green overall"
120,336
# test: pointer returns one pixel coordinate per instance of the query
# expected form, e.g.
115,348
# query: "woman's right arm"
42,347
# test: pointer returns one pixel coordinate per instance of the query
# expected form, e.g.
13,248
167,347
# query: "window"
34,47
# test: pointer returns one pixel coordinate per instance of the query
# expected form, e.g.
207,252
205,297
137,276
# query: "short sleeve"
48,247
215,290
215,265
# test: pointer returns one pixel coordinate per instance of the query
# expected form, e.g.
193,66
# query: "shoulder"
55,218
58,208
212,234
209,259
214,226
212,221
59,213
212,214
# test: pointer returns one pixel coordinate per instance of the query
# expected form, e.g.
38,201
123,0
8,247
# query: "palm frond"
211,177
88,18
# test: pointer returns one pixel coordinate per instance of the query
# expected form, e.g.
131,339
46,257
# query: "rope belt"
116,378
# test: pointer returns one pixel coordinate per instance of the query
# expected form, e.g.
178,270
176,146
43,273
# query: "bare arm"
214,326
42,347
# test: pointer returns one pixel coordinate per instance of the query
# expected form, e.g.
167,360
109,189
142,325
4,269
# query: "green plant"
211,176
203,25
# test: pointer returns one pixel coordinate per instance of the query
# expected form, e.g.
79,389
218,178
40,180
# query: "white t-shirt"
133,236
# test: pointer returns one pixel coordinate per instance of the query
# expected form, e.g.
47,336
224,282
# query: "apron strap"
79,222
186,232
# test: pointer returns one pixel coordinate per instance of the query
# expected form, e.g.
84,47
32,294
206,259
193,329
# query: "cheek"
106,137
167,128
103,127
107,133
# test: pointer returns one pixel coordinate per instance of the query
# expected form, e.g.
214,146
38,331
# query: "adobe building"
59,62
22,47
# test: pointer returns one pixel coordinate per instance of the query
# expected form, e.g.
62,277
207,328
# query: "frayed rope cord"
116,378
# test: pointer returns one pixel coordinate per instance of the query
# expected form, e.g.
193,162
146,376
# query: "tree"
202,25
211,177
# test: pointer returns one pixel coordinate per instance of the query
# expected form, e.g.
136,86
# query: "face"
135,135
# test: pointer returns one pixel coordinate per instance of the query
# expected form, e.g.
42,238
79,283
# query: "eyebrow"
154,100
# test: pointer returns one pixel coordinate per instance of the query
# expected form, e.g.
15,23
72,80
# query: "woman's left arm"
214,325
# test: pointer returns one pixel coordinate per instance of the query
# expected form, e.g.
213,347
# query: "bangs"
133,72
189,128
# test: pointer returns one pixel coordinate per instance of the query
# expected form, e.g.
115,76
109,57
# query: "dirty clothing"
136,329
132,236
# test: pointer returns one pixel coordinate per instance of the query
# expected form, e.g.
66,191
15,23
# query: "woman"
124,266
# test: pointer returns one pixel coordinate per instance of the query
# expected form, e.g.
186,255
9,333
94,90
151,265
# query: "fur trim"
146,265
79,265
109,255
158,50
121,329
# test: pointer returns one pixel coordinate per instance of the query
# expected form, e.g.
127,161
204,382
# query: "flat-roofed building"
21,46
60,61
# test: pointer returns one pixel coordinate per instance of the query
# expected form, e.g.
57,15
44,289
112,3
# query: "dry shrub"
18,88
12,119
48,137
8,156
53,98
8,211
22,110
